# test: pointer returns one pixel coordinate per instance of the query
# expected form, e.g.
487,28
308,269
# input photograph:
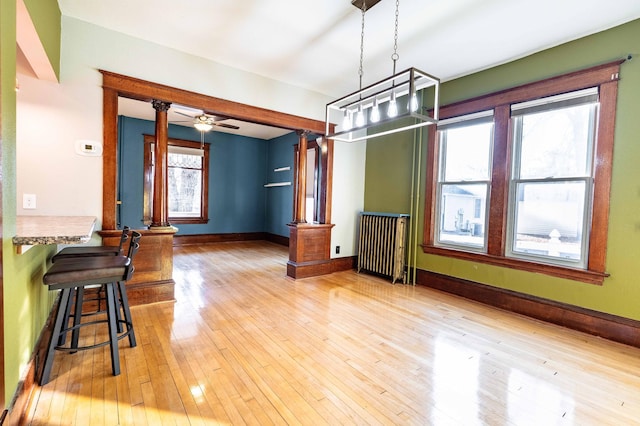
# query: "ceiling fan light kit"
203,123
389,106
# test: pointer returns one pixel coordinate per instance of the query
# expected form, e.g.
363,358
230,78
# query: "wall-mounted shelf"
282,169
271,185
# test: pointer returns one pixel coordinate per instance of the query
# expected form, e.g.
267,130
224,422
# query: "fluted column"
160,212
301,190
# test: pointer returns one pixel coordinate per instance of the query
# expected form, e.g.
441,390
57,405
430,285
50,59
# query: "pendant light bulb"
375,112
360,117
346,122
413,103
393,106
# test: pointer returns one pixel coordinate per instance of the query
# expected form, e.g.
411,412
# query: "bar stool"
88,251
70,253
73,275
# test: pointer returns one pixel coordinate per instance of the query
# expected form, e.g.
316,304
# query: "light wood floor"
243,344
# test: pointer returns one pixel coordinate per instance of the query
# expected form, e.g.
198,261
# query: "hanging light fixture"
203,122
389,106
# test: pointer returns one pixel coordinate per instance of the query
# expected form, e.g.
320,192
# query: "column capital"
161,106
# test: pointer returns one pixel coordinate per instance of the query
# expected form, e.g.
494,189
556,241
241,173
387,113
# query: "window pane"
467,152
185,192
462,214
556,143
549,219
184,160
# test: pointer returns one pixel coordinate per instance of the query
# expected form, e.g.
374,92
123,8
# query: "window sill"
586,276
187,220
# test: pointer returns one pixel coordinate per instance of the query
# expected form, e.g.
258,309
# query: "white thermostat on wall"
88,148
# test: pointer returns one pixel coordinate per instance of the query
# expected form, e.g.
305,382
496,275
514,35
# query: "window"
464,180
188,166
520,178
553,142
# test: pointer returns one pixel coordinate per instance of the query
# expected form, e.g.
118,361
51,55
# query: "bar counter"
37,230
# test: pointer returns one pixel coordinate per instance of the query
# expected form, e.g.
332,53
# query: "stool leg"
77,317
112,318
124,301
67,314
55,334
118,304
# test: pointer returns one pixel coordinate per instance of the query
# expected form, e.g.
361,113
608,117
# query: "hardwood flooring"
243,344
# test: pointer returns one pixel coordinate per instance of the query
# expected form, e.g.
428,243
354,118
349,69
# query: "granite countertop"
34,230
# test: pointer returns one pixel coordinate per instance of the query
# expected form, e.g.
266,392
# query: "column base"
309,250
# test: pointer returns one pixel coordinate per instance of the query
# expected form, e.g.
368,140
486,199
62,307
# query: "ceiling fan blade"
228,126
182,113
185,110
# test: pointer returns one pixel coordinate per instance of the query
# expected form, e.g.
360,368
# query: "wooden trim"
589,277
300,167
569,82
144,293
603,166
109,158
499,181
612,327
277,239
134,88
326,186
344,263
314,268
184,240
431,179
18,411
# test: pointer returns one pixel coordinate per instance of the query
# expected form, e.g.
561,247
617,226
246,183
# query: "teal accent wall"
238,169
279,199
387,184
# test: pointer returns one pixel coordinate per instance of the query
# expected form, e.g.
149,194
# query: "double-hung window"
187,180
551,178
520,178
464,180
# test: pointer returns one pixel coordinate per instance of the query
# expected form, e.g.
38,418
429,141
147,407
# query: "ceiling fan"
200,120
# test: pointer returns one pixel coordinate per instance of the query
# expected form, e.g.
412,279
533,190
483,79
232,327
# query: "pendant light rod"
361,71
395,56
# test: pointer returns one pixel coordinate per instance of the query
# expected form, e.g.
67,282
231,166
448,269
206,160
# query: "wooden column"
301,188
160,212
309,243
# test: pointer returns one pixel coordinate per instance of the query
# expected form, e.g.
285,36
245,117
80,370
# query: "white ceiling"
315,44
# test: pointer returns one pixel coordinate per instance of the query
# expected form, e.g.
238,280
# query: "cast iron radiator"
382,244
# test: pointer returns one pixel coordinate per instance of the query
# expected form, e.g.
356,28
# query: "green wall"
26,300
47,18
387,184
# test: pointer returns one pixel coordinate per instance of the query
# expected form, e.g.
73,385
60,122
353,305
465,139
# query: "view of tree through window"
185,185
187,180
